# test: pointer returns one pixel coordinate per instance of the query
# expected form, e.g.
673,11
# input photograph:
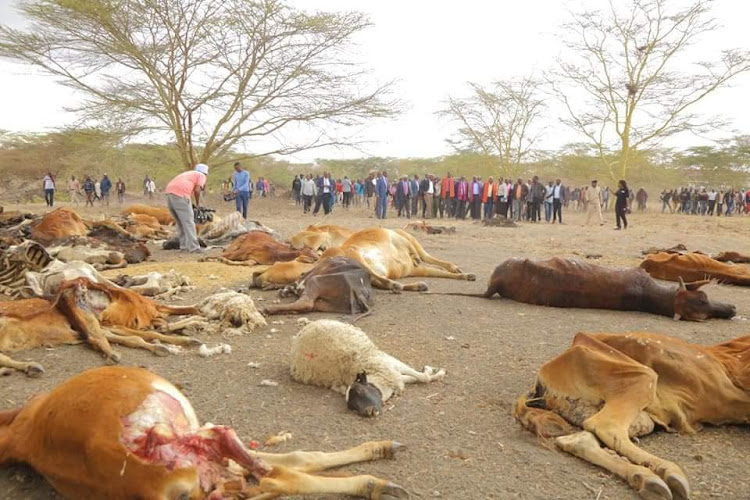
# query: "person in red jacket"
448,195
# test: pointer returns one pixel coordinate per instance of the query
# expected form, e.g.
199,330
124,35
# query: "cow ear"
695,285
682,283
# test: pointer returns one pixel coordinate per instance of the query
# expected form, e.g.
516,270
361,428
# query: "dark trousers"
476,208
241,201
415,204
460,211
306,202
711,204
536,211
556,210
347,199
502,208
620,216
49,197
404,205
488,208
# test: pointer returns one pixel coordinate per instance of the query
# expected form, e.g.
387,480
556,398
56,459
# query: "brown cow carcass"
693,267
159,213
279,274
76,314
259,247
391,254
336,284
560,282
320,238
607,389
125,433
60,223
731,256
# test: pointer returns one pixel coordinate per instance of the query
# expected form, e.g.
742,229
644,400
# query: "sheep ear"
362,377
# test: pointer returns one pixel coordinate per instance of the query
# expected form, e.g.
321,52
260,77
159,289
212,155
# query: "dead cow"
609,388
559,282
693,267
159,213
74,315
258,247
390,254
125,433
321,237
337,284
58,224
279,274
423,227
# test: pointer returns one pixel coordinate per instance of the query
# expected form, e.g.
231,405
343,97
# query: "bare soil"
462,442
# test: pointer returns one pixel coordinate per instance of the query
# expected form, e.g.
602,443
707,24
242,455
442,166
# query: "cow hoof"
160,350
655,489
397,288
679,486
471,277
34,370
114,357
193,342
422,286
392,492
4,372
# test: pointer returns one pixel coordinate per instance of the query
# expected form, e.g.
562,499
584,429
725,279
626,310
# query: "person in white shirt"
557,201
48,185
308,191
549,192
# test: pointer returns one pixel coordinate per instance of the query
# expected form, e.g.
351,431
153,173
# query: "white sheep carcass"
342,357
156,284
233,309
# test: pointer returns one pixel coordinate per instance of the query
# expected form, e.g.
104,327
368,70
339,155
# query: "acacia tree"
621,85
498,121
211,75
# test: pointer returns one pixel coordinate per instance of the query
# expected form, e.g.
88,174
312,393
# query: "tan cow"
58,224
390,254
124,433
609,388
694,267
72,318
159,213
321,237
258,247
280,274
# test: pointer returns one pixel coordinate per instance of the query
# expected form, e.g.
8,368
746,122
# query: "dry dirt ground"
462,442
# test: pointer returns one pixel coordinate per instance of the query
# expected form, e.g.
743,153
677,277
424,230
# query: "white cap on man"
202,168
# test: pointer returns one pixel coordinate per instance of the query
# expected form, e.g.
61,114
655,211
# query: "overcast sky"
432,49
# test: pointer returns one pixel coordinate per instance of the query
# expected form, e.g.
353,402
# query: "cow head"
363,397
307,255
692,304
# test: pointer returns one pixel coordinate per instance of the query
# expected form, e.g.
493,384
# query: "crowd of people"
458,197
702,201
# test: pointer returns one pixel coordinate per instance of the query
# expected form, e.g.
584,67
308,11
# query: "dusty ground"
462,441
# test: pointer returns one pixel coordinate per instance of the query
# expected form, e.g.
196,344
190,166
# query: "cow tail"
542,422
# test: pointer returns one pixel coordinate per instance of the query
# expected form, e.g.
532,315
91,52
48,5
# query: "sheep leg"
411,376
152,335
137,343
316,461
29,368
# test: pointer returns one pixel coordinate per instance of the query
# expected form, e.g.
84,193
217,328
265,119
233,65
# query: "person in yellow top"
594,203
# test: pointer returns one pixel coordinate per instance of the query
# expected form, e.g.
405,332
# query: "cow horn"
682,283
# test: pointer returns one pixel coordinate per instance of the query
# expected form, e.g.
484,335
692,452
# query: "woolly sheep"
233,309
342,357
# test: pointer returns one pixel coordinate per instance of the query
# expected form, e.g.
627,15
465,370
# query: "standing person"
711,202
242,188
549,194
381,190
728,202
326,187
462,196
447,195
98,191
48,186
74,188
178,191
346,190
402,197
426,190
414,193
151,189
437,199
621,204
369,186
501,198
88,188
475,198
120,189
536,197
308,191
519,196
605,199
297,189
146,182
558,198
105,185
489,193
594,202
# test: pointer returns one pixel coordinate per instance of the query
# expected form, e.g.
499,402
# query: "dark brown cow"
559,282
735,257
608,388
694,266
336,284
259,247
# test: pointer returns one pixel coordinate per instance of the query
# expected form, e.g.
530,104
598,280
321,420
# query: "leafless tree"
498,120
625,84
211,75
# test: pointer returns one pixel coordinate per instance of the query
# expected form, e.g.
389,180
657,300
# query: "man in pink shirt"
178,191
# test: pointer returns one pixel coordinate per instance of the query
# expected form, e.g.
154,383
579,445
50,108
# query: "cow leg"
282,481
424,256
137,343
85,323
316,461
224,260
152,335
197,321
29,368
433,272
585,446
177,310
304,304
